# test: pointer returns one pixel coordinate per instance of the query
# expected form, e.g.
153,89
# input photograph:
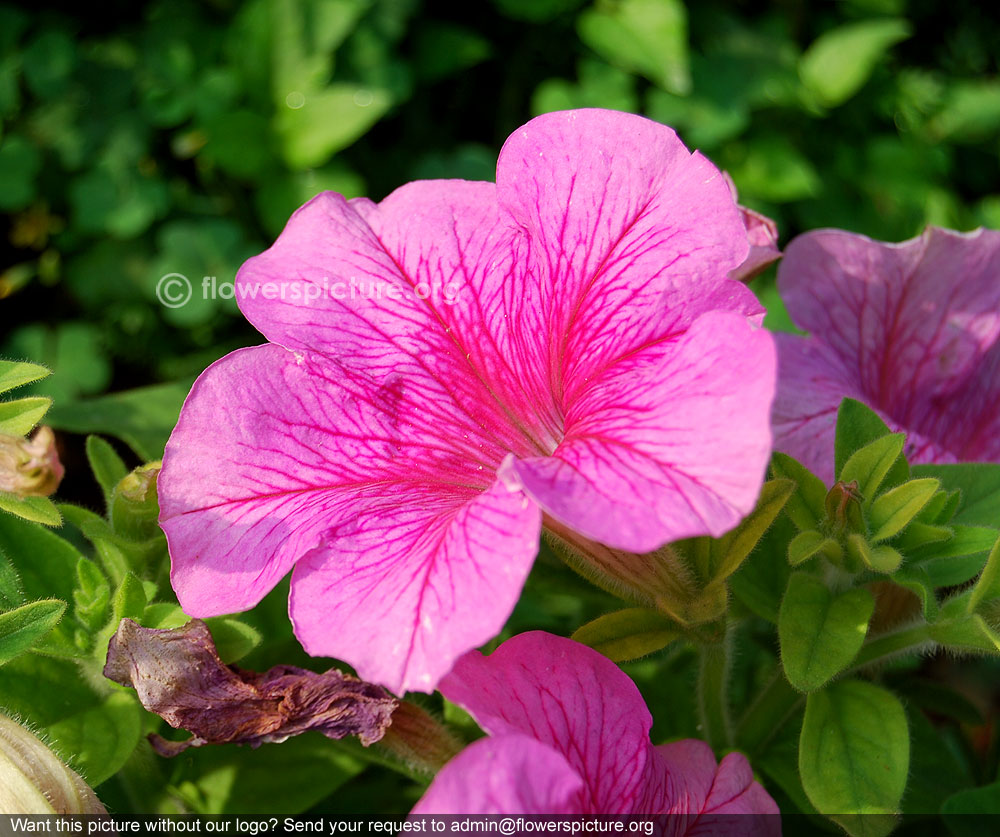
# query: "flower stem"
713,693
767,714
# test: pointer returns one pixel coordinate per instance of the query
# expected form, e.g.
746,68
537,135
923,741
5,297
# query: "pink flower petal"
280,457
571,699
704,798
913,328
672,442
409,583
513,774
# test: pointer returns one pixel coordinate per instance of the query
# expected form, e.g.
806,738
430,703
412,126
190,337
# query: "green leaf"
892,511
988,586
820,633
45,561
760,583
327,121
92,596
936,771
807,544
628,634
644,36
959,810
233,639
100,739
290,777
807,506
872,463
142,417
857,426
916,579
854,753
37,509
107,465
729,551
980,487
14,373
11,593
17,418
22,627
20,163
838,63
882,559
971,633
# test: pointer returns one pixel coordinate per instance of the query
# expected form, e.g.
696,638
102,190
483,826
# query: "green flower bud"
34,781
134,505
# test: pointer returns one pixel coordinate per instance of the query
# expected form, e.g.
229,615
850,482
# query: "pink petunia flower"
911,329
446,365
569,734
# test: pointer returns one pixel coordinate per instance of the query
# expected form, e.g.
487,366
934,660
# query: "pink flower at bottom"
569,734
911,329
451,363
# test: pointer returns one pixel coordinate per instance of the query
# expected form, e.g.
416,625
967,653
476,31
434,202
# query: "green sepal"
805,506
870,465
969,633
988,585
857,426
807,544
820,632
628,634
106,464
882,559
91,596
892,511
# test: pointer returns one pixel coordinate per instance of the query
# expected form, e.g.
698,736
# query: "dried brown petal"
178,675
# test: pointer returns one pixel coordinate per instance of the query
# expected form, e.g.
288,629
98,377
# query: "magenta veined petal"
576,315
912,329
514,774
574,703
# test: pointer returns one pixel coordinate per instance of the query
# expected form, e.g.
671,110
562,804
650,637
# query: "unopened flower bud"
134,504
34,781
843,507
30,467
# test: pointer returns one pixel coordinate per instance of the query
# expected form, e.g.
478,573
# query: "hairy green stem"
767,714
713,693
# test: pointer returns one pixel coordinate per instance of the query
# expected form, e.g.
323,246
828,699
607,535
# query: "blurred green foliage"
177,137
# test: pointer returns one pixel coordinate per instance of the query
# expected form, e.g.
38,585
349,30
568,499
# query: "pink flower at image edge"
911,329
395,448
569,734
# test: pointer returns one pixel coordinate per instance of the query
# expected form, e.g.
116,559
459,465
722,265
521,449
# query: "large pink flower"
569,734
448,364
911,329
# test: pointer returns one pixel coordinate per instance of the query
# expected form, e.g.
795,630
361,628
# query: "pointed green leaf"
980,486
966,811
892,511
11,593
729,551
919,535
806,507
807,544
106,464
857,426
17,418
838,63
969,633
882,559
15,374
22,627
45,561
915,578
820,633
760,583
854,752
628,634
872,463
988,586
36,509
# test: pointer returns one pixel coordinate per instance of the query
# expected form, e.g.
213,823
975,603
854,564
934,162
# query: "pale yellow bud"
34,781
30,467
